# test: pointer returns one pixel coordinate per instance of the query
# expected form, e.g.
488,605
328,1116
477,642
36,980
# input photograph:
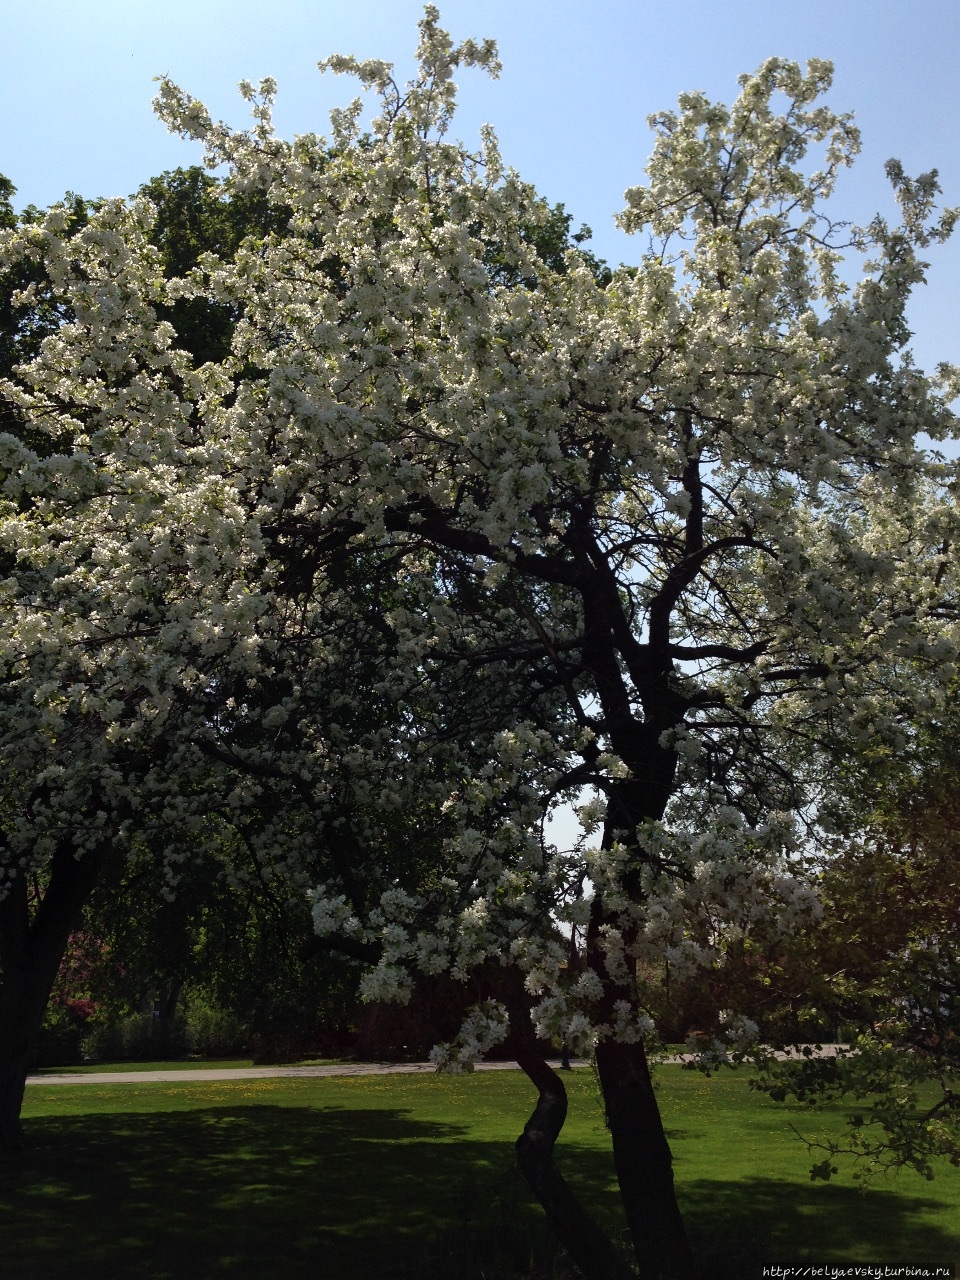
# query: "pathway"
335,1069
262,1073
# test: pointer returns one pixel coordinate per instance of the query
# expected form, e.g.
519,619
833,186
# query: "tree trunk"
168,997
590,1248
31,948
592,1251
22,1006
643,1163
640,1150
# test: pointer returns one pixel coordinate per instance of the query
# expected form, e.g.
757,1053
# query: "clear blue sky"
579,80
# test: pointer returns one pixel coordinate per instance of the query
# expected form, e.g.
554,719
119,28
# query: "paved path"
263,1073
301,1073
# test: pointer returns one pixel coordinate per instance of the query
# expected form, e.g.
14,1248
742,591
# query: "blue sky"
578,83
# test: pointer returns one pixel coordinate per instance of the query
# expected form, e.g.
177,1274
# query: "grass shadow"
740,1227
376,1193
263,1191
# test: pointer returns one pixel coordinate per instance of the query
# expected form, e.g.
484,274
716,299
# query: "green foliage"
546,229
204,1030
8,219
213,1032
58,1044
223,949
138,1037
885,961
30,309
197,216
25,322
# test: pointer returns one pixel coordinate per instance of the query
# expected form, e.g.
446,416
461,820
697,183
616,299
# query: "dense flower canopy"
454,530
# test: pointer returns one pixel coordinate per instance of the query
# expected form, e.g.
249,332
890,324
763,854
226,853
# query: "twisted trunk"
592,1250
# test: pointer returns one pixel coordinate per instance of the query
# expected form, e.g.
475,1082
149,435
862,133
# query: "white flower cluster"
740,1041
701,891
484,1027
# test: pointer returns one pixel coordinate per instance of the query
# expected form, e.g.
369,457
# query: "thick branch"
727,652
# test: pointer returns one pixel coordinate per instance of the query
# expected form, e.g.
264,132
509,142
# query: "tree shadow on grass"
737,1228
285,1193
265,1191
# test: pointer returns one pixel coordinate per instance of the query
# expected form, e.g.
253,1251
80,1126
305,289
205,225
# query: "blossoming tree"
659,536
137,718
74,784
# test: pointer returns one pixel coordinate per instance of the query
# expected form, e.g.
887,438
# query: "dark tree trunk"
640,1149
22,1005
589,1247
643,1163
168,998
31,948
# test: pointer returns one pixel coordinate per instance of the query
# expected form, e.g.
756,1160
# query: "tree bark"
640,1149
21,1012
588,1245
31,948
592,1250
643,1162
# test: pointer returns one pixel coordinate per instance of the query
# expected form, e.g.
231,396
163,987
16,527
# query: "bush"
213,1032
58,1046
140,1037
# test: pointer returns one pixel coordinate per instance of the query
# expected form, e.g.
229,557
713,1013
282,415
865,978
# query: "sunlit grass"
396,1177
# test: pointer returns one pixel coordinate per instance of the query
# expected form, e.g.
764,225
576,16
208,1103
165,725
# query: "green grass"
184,1064
413,1178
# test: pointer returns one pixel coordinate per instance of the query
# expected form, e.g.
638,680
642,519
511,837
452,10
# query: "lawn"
412,1178
180,1064
165,1064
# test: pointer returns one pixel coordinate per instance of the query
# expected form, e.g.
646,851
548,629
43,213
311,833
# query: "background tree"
121,722
71,784
214,967
888,955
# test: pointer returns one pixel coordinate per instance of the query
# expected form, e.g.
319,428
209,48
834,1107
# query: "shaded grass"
396,1177
182,1064
744,1184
